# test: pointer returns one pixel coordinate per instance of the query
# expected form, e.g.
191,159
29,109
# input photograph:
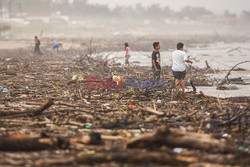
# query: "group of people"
55,47
179,58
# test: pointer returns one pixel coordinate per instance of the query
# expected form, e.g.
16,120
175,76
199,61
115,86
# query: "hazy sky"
217,6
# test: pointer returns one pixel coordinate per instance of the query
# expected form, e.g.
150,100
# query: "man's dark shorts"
179,74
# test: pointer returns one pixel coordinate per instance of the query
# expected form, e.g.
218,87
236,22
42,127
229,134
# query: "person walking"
37,47
179,58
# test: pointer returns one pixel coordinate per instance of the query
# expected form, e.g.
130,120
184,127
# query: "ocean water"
220,56
217,55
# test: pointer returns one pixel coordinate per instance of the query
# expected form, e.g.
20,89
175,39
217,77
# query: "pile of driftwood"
50,117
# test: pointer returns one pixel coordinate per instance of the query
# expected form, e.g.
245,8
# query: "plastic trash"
4,90
106,104
131,106
131,89
74,78
87,126
178,150
225,135
243,148
86,101
117,79
78,77
87,152
158,101
66,69
8,59
127,135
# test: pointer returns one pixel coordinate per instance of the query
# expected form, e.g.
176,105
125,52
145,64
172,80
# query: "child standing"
127,53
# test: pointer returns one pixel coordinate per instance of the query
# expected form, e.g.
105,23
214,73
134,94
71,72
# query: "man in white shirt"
179,67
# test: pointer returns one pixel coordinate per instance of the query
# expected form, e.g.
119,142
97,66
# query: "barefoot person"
127,54
179,67
37,46
156,61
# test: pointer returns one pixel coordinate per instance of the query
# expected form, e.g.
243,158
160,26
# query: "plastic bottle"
3,90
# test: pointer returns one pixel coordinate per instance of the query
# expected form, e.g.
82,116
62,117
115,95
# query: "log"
207,65
29,143
92,139
128,157
226,79
226,87
152,111
136,157
48,103
55,161
193,86
176,138
30,112
73,104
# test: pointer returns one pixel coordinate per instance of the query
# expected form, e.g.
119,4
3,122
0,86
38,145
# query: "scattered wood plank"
30,143
139,157
30,112
152,111
176,138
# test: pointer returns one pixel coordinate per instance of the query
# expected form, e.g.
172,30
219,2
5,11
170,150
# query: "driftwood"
30,112
134,157
152,111
140,157
207,65
235,49
226,79
29,143
77,109
193,86
177,138
226,87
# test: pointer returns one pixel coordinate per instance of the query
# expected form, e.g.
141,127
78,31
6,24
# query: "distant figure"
156,60
37,46
41,34
55,48
179,67
127,54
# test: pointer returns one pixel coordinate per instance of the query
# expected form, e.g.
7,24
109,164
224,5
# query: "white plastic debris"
158,101
178,150
78,77
225,135
8,59
74,78
86,101
208,126
4,90
106,104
